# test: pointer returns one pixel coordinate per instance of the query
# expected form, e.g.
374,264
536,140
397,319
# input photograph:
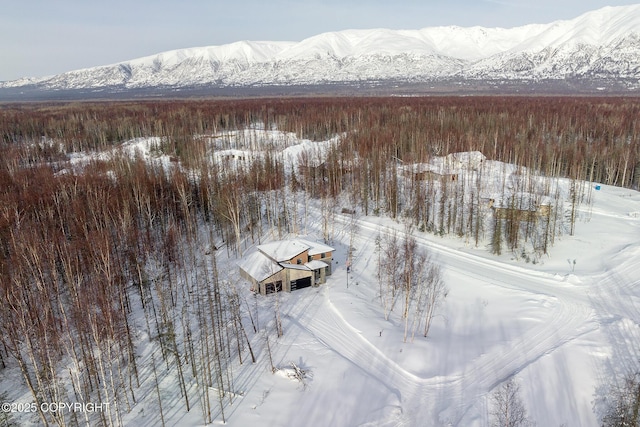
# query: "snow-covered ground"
564,327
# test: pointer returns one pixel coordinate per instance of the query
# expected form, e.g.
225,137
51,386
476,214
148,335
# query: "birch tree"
508,408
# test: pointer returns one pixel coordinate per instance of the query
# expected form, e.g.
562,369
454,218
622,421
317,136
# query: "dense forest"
84,251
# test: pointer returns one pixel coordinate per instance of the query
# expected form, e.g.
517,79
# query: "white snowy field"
564,330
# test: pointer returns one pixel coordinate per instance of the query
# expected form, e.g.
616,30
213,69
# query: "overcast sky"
45,37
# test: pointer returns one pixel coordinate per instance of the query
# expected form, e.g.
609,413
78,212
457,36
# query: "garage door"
300,283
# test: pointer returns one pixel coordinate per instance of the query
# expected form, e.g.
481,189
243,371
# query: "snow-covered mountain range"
602,46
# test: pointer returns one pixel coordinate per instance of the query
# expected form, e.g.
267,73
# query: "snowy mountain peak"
242,51
602,45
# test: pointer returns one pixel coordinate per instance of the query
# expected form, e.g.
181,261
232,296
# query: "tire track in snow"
329,327
448,399
438,397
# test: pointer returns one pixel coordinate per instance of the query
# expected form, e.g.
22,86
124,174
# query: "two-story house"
287,265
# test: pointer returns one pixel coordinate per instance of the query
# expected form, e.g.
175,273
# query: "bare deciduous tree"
621,403
508,408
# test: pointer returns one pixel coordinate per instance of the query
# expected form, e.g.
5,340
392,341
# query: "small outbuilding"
522,207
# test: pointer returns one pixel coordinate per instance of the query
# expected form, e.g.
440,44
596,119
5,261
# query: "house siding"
327,259
280,276
302,257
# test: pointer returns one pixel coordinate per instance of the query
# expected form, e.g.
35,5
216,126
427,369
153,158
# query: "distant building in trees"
226,156
428,172
287,265
312,170
468,160
522,207
447,168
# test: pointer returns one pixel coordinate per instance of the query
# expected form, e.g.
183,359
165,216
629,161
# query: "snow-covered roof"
450,164
295,266
520,201
283,250
444,166
262,264
467,158
316,248
316,264
417,167
437,166
259,266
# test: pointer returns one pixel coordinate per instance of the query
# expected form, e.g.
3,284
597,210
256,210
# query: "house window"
299,261
323,255
309,258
